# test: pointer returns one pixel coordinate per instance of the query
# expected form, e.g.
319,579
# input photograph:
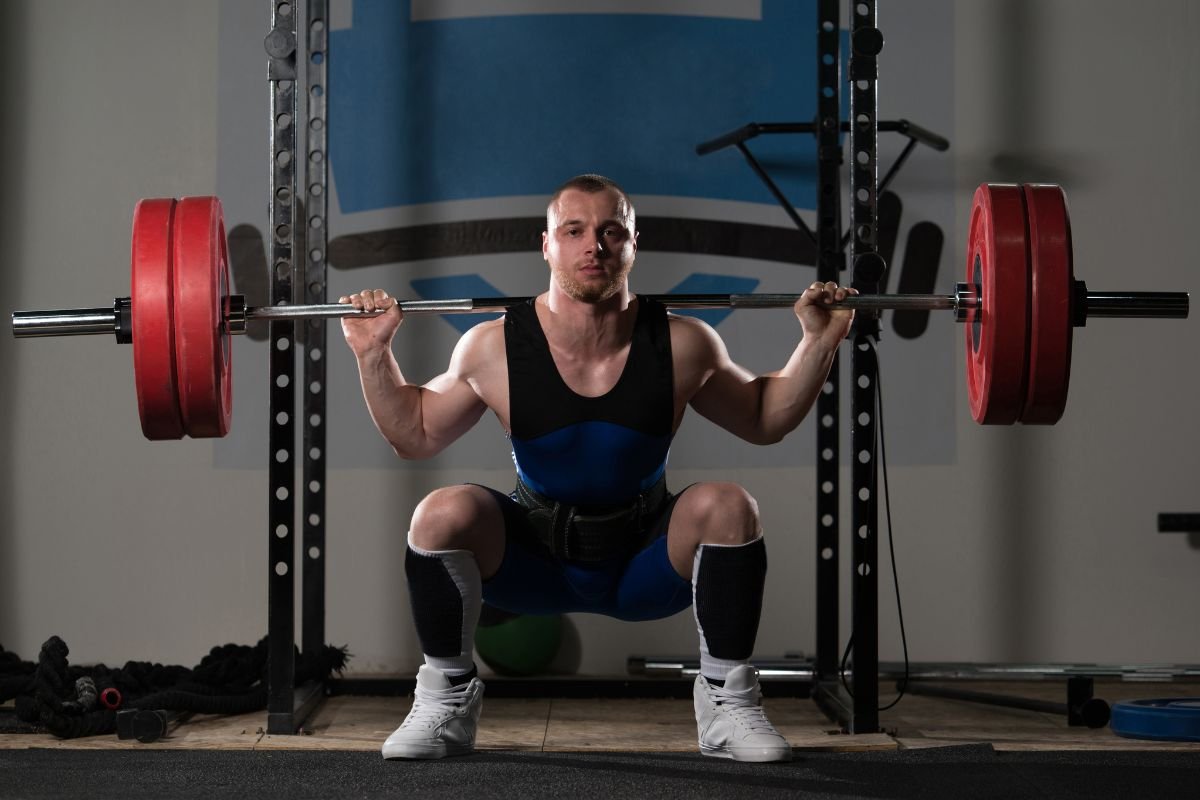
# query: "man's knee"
452,518
721,513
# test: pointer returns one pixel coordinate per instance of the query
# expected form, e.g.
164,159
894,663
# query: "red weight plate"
1051,280
997,332
152,310
202,352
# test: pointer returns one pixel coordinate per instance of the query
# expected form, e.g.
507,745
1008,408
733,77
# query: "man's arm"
762,409
417,421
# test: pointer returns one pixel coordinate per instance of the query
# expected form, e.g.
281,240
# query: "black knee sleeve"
728,588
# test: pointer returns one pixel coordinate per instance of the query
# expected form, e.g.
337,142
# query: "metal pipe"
1092,711
65,322
1169,305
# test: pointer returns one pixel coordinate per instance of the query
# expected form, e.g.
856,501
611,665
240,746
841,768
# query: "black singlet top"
590,450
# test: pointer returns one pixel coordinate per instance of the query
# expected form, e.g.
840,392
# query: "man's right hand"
365,334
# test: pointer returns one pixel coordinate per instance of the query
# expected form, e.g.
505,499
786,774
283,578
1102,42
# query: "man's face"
590,243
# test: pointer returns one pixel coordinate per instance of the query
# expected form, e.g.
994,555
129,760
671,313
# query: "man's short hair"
591,183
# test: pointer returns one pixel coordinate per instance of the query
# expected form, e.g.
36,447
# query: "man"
590,382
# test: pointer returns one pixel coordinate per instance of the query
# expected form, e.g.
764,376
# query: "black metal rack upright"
297,232
281,50
315,333
855,709
831,261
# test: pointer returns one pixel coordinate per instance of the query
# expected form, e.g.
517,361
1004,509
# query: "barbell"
1020,302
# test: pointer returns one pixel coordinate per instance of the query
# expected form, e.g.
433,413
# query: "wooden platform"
607,725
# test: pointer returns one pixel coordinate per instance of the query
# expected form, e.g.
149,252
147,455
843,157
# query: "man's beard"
591,292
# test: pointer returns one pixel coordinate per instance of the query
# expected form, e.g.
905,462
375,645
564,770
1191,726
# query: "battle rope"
83,701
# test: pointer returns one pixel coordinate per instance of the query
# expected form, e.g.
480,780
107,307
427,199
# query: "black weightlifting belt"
589,533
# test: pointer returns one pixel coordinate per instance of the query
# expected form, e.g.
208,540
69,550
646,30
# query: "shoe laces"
431,705
744,707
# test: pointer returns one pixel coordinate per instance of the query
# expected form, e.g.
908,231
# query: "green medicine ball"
520,645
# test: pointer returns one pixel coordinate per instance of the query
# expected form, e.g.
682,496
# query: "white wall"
1038,544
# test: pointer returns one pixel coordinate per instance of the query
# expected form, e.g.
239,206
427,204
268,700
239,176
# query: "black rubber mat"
949,772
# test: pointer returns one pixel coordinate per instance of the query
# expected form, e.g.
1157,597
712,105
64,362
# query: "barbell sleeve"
63,322
1171,305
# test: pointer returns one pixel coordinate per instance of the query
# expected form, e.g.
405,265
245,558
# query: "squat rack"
298,78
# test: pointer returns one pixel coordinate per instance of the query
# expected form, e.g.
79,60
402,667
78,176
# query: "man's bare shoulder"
480,349
693,337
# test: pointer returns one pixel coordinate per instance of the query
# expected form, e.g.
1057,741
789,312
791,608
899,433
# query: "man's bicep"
730,398
728,393
449,408
453,401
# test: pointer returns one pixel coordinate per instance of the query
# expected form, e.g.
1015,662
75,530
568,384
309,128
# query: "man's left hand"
819,322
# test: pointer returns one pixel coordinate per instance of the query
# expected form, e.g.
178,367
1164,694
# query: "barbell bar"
1020,303
105,320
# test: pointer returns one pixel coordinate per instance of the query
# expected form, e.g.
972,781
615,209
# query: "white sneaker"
442,721
731,722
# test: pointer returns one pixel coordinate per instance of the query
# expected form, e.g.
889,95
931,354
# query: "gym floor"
356,723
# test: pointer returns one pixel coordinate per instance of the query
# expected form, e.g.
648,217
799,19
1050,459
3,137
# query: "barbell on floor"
1019,304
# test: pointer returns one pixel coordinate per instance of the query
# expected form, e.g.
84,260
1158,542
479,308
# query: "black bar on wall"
865,44
281,48
830,264
314,333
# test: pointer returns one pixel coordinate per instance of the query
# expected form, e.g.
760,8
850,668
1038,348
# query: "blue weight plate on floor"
1166,719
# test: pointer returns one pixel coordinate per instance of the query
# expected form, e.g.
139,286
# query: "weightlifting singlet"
590,451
